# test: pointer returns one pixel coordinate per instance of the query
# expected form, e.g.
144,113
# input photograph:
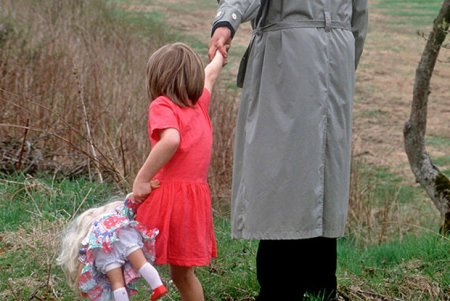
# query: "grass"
406,268
33,213
26,199
441,143
83,70
417,263
418,13
391,250
398,252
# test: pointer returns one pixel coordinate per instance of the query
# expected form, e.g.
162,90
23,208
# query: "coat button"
234,16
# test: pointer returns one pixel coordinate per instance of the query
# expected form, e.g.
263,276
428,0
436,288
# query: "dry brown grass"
385,79
39,244
73,93
412,287
223,117
380,211
61,59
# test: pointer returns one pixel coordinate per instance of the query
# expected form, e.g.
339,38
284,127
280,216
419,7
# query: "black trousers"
289,269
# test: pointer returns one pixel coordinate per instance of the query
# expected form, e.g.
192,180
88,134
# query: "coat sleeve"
360,20
232,13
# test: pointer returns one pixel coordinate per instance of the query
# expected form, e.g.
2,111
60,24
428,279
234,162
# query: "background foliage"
74,108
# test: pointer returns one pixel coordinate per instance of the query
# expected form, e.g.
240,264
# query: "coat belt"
326,23
303,24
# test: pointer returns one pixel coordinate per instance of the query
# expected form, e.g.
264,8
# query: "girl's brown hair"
175,71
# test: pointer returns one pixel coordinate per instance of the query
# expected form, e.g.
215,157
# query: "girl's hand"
141,190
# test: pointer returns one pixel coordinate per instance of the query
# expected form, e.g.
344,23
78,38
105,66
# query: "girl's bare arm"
212,70
160,154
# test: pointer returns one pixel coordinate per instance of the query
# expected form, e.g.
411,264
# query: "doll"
104,250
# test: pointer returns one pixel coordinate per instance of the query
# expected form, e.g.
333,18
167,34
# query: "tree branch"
436,184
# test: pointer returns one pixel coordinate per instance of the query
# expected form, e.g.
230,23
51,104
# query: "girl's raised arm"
212,70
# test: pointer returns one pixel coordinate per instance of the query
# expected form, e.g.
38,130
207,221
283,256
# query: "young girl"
104,251
181,138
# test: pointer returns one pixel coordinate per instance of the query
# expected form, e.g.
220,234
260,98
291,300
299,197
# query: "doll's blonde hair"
73,235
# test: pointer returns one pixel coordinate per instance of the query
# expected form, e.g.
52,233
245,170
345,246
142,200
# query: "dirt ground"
384,86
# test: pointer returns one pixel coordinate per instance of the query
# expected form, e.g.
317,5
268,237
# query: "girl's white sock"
120,294
150,275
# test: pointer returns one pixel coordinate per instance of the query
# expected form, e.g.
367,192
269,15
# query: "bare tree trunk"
436,184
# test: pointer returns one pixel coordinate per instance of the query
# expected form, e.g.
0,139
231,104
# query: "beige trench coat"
293,140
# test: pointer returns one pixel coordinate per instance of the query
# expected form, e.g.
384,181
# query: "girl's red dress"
181,207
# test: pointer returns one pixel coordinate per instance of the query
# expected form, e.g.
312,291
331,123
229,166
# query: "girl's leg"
118,285
187,283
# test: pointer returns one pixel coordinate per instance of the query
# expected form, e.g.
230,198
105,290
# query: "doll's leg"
140,263
110,264
132,242
115,276
148,272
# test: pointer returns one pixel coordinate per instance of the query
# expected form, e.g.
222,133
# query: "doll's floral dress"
92,283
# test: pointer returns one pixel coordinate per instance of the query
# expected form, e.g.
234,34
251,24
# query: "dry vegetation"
73,89
67,73
73,92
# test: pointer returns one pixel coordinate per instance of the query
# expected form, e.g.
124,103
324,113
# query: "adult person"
293,140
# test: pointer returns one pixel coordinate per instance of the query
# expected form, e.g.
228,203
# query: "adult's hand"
220,41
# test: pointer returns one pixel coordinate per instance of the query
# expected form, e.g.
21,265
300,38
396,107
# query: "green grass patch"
377,113
33,212
146,24
25,199
28,249
440,143
416,264
388,185
146,19
418,13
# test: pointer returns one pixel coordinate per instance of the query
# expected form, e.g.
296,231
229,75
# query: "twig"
61,138
106,162
383,297
430,231
122,152
25,132
86,122
33,295
12,290
11,99
34,201
82,202
49,273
